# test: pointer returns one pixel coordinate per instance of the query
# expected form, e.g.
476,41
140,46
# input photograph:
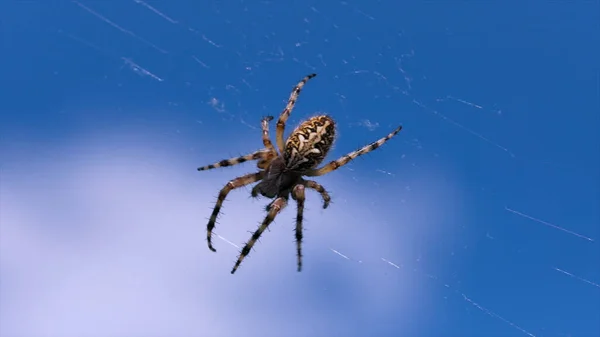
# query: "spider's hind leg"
261,154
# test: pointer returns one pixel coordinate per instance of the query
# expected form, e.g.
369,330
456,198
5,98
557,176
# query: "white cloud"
101,241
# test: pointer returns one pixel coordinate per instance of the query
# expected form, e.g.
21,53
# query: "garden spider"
281,174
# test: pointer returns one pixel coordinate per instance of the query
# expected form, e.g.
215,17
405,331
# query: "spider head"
309,143
278,180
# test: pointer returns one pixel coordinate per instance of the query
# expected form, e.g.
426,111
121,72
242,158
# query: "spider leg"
260,154
334,165
233,184
317,187
288,109
265,133
298,195
278,205
264,163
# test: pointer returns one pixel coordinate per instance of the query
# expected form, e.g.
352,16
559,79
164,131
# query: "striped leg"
261,154
298,195
334,165
317,187
235,183
264,162
265,133
277,206
288,109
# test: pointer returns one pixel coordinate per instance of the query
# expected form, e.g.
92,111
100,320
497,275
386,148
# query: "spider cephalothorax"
281,173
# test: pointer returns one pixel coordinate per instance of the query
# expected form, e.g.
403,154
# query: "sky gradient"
480,218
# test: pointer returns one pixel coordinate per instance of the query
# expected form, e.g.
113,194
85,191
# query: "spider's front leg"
287,111
235,183
276,207
299,196
334,165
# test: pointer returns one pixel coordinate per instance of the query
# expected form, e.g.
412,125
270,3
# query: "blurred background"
480,218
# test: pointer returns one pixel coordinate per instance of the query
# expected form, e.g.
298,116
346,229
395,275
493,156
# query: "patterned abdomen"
309,143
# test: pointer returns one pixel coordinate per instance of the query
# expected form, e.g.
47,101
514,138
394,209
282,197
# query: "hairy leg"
235,183
261,154
298,195
264,163
334,165
288,109
276,207
317,187
265,133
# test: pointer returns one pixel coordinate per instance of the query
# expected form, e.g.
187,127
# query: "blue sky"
480,218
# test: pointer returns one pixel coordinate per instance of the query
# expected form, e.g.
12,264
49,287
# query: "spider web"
449,228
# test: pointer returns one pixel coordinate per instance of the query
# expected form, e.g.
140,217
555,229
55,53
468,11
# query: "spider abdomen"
309,143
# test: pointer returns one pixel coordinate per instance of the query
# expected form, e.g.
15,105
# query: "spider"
281,173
